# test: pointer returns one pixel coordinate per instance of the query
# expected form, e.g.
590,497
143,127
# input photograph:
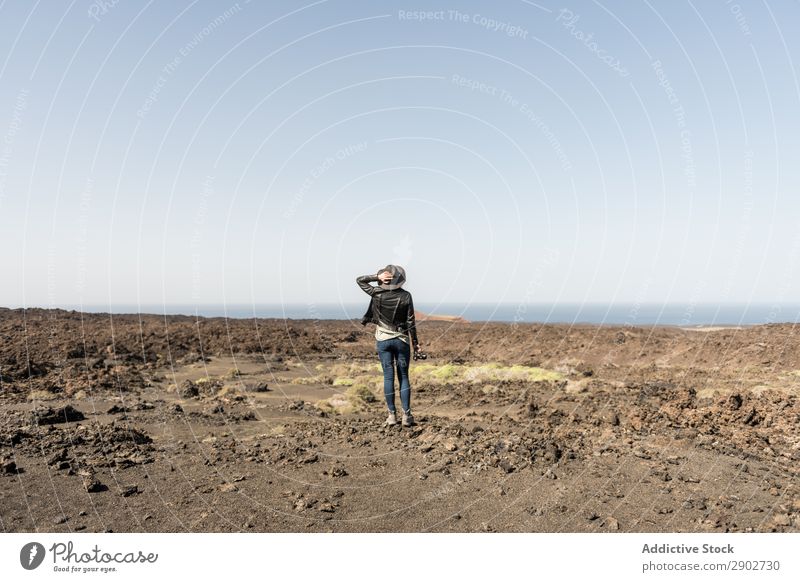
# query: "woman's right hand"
385,277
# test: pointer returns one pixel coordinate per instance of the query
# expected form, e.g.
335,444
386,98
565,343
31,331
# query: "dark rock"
256,387
752,417
130,490
58,457
188,389
610,417
9,467
93,485
45,416
552,452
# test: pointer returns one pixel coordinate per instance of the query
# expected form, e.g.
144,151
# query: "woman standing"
392,309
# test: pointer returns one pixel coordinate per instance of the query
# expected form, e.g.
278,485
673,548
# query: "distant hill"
420,316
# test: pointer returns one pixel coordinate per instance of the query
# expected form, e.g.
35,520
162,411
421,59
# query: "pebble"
338,472
130,490
9,467
782,519
93,485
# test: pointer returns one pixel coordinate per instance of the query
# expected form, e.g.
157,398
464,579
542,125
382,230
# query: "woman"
392,309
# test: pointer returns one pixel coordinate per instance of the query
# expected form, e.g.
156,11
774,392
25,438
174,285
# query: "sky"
501,152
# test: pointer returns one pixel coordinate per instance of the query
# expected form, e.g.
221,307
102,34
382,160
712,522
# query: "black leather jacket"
392,309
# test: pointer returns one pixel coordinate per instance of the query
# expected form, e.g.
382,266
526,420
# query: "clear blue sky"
264,152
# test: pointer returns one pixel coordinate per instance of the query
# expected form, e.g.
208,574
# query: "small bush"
361,392
306,380
446,372
491,372
43,395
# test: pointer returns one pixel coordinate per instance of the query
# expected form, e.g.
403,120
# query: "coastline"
352,312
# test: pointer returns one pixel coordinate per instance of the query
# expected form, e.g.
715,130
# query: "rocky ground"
152,423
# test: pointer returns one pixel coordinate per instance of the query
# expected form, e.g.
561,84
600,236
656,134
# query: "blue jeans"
391,351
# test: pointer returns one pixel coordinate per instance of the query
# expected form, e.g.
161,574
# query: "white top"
382,333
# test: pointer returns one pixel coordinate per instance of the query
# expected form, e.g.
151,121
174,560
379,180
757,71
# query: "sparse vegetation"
361,392
357,398
491,372
44,395
307,380
437,374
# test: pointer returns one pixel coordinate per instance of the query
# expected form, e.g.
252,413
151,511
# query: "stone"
256,387
338,472
130,490
9,467
45,416
188,389
92,484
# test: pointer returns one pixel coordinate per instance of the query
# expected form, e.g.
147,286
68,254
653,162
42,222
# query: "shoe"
392,420
408,419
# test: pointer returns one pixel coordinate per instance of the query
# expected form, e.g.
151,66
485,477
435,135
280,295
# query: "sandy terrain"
177,424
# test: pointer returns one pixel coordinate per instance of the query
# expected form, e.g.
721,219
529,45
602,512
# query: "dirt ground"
160,424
